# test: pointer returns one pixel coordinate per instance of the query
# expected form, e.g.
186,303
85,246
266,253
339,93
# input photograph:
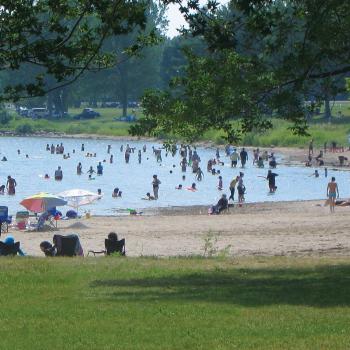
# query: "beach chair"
68,245
111,246
6,249
22,218
5,219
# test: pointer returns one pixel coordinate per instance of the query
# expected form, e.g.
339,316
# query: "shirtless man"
332,193
11,185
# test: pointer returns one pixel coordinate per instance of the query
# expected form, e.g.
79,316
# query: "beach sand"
266,229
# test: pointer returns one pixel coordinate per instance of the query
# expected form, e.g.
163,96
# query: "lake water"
134,179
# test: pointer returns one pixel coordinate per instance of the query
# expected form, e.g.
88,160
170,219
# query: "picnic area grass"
175,303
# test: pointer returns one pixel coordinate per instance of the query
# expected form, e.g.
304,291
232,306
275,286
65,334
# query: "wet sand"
267,229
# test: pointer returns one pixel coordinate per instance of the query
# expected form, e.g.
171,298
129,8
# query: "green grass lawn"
177,303
320,130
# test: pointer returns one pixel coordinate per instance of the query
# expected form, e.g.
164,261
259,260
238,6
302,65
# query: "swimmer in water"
316,173
2,189
4,159
115,192
193,187
149,197
99,192
91,178
91,171
46,176
178,187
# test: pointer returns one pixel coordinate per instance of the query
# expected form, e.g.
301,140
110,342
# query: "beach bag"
71,214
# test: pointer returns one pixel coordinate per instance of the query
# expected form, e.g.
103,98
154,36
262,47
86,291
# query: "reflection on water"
135,180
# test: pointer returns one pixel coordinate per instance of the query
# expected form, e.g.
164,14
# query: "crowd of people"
190,160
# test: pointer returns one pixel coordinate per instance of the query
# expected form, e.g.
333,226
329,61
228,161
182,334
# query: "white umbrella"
76,198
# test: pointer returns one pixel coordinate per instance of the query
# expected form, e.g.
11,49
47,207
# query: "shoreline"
302,228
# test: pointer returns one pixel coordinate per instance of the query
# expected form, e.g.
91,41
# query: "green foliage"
176,303
24,128
5,117
262,62
52,43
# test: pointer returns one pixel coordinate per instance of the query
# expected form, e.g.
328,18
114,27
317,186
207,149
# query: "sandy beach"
267,229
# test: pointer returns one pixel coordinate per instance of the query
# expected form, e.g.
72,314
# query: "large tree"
65,38
263,60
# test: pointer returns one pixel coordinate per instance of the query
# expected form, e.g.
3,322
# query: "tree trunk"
327,109
123,71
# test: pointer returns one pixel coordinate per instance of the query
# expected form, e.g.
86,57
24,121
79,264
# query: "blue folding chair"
5,219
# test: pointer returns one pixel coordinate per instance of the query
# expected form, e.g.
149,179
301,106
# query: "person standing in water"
332,193
183,164
111,159
234,158
139,156
271,177
79,169
99,169
155,184
244,157
199,174
232,188
59,174
11,185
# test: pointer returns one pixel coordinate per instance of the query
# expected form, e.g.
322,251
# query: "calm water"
134,179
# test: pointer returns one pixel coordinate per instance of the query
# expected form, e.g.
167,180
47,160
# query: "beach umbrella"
76,198
41,202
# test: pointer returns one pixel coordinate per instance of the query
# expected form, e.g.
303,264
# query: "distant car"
132,104
87,113
38,113
128,119
110,105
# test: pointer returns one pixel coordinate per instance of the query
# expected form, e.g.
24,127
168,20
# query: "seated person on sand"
343,202
58,249
10,245
342,160
221,205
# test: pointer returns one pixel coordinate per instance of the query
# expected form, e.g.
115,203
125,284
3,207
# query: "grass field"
320,130
177,303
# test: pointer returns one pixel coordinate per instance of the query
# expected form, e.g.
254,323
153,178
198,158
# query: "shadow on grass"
326,286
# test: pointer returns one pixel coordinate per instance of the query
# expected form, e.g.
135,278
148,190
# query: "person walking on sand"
311,147
332,193
155,184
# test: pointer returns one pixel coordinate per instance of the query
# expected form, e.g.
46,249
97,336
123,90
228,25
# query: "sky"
176,19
